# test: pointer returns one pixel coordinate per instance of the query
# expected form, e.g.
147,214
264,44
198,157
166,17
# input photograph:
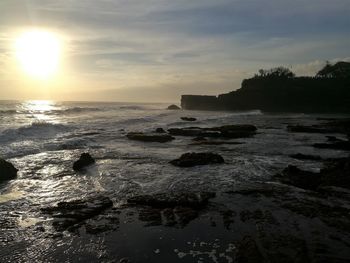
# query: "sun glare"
38,53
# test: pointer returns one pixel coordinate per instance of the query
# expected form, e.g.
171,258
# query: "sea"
43,139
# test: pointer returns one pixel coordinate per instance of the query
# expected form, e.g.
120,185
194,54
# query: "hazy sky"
156,50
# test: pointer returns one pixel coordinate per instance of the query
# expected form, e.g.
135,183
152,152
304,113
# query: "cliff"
280,94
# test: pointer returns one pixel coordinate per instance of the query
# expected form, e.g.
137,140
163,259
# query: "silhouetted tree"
338,70
279,72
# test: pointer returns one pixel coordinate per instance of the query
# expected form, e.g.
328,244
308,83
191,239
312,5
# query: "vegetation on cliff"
278,90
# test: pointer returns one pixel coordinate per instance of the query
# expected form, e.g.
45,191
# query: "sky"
156,50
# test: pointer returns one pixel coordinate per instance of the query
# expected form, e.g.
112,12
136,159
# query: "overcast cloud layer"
156,50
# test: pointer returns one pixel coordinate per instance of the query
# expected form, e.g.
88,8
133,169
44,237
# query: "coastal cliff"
273,93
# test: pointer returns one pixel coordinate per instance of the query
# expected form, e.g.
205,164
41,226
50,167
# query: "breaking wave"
36,130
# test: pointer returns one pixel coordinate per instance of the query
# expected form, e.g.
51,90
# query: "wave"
8,112
132,108
36,130
73,110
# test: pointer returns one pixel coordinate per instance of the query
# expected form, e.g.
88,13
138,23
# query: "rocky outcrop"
199,102
84,161
7,171
173,107
298,94
140,136
193,159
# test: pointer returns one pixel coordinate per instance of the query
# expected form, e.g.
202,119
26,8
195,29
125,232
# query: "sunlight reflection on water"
40,109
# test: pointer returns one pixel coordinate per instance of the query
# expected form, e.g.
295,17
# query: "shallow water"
43,139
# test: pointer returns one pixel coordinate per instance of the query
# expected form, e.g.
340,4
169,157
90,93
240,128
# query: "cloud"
122,43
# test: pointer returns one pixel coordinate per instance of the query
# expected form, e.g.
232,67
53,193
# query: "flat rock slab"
173,210
193,200
337,145
227,131
71,213
193,159
139,136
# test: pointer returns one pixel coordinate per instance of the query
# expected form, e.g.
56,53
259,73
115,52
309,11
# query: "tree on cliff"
279,72
338,70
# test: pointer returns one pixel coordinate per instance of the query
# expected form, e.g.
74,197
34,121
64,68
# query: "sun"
39,53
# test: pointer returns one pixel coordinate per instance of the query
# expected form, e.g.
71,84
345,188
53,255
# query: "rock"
227,131
7,171
84,161
335,173
188,119
193,159
165,200
68,215
301,156
160,130
173,107
172,210
248,251
193,131
307,129
199,139
332,139
207,142
292,175
139,136
335,126
336,145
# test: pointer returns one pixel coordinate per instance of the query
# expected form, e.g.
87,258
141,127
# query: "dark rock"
292,175
68,215
188,119
332,139
307,129
199,139
337,145
335,173
227,131
152,216
84,161
139,136
335,126
193,159
301,156
207,142
248,251
193,200
160,130
173,107
7,171
193,131
172,210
